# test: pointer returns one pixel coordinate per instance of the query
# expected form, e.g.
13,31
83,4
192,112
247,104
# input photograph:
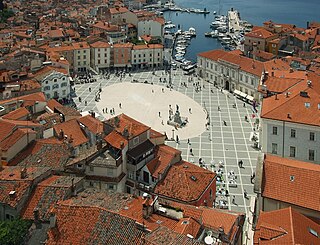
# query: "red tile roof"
279,85
17,114
100,44
72,130
93,124
122,122
116,140
47,194
20,188
260,33
185,181
13,138
52,104
285,226
246,64
43,152
280,106
164,156
290,181
30,97
88,225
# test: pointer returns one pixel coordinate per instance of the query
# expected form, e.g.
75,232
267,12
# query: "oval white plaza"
143,102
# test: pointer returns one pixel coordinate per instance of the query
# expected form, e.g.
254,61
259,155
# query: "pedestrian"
162,90
103,110
85,103
162,122
177,139
246,118
224,123
227,193
89,89
106,110
240,163
152,91
252,178
119,105
190,110
244,104
211,90
111,111
159,114
191,153
245,194
188,141
219,108
234,200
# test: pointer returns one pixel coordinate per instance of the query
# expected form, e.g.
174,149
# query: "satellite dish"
208,240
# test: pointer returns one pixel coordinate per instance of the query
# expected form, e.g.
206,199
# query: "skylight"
193,178
313,232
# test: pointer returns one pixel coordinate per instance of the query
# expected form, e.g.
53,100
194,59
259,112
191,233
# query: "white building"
231,71
150,55
290,123
81,55
152,27
55,82
100,55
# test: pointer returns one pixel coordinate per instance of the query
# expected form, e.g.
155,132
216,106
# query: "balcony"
140,155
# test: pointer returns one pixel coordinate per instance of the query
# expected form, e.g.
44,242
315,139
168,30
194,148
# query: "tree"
5,14
13,232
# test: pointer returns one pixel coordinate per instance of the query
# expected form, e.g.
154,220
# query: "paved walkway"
228,144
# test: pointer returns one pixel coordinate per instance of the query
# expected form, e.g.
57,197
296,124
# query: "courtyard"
217,146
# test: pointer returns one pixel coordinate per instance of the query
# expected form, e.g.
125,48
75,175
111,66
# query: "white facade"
100,57
291,140
228,76
150,27
147,57
81,59
56,85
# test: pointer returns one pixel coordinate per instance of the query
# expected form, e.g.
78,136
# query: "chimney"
70,139
93,114
61,134
99,145
23,173
276,97
309,83
53,220
36,218
288,116
291,70
272,74
147,208
73,188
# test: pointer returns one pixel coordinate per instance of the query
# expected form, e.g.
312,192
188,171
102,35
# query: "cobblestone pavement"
228,143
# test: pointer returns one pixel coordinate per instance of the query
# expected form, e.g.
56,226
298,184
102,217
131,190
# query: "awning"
236,92
250,98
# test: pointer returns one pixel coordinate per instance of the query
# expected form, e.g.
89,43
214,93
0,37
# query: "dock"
234,21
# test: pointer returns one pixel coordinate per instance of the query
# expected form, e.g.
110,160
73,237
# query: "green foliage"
5,14
13,232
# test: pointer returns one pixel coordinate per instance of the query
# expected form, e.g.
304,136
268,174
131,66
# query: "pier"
234,21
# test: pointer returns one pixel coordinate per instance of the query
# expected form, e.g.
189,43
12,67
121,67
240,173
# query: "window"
91,168
307,104
98,55
293,133
105,54
274,149
215,67
241,77
46,88
78,57
311,155
110,172
55,86
64,84
111,187
292,151
64,92
84,62
135,140
55,80
275,130
312,136
246,79
9,217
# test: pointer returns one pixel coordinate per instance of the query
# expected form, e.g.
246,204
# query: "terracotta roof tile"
280,106
30,97
285,226
43,153
122,122
87,225
163,158
93,124
72,130
115,139
260,33
52,104
278,184
185,181
13,138
47,194
17,114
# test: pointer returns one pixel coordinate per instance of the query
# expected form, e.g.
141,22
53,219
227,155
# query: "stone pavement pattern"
218,143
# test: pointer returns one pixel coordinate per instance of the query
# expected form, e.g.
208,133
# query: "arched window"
55,86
